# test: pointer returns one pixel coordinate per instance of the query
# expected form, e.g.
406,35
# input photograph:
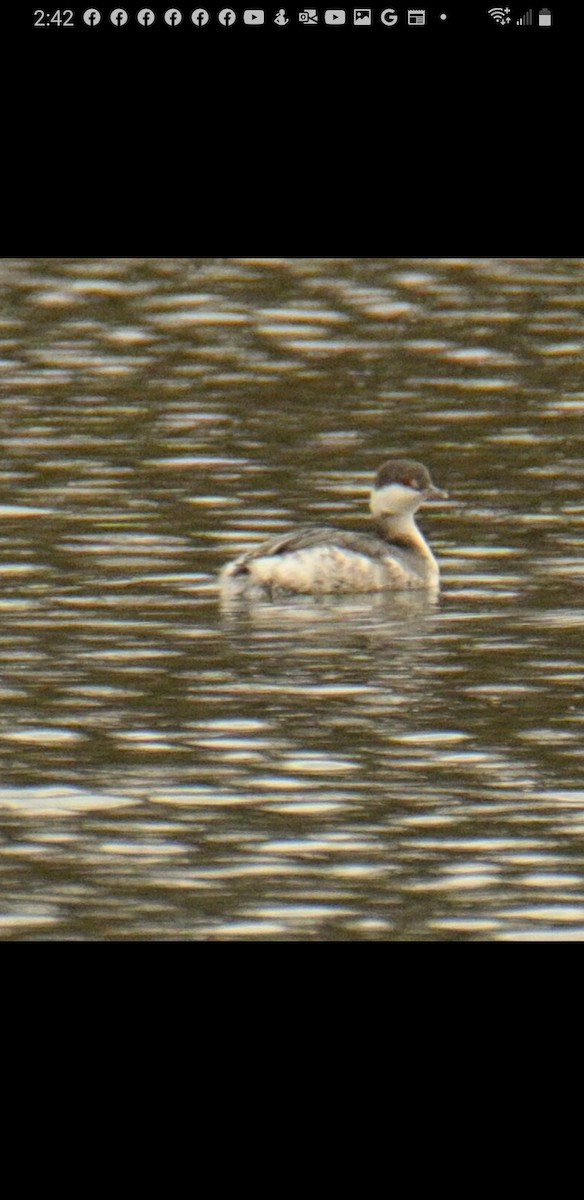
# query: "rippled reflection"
384,767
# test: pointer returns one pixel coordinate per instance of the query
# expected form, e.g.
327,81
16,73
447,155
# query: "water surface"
371,768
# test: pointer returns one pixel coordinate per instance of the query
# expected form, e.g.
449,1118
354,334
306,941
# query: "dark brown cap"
405,471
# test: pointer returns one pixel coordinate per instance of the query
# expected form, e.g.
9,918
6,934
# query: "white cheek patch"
394,498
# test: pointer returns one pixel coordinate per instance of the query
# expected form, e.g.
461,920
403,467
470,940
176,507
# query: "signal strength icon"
500,15
526,19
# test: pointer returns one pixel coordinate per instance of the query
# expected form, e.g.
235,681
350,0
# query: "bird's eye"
410,483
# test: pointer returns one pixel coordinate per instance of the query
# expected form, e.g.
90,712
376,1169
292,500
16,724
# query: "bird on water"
322,560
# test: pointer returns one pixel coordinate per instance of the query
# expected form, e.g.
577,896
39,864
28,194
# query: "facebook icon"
227,16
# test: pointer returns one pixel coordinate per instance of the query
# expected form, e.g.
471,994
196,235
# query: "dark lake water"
383,767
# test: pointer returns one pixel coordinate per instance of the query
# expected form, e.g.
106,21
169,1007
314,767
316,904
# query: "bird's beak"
434,493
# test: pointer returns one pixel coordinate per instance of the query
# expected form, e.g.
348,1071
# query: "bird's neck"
403,533
401,530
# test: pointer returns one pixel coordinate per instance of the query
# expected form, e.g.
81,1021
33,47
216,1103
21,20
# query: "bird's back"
323,560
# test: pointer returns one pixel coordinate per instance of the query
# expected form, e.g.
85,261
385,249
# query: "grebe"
322,560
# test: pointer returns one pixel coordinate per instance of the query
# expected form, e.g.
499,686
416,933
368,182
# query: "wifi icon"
500,15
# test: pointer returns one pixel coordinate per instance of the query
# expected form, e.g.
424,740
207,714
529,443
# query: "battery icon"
545,16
